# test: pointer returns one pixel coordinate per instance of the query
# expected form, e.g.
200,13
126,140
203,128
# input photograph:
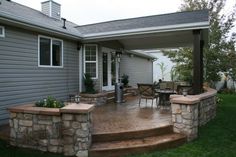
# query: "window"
90,60
2,31
50,52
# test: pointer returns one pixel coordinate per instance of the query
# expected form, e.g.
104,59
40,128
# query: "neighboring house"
156,68
42,54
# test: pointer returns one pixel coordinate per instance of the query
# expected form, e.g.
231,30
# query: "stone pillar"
30,130
185,116
76,130
66,130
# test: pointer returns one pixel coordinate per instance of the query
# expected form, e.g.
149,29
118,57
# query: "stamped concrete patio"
128,116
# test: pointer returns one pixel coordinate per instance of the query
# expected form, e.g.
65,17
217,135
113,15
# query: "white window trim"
3,32
62,52
91,61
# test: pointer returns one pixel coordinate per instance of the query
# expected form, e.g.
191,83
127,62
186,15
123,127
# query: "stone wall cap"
77,108
209,93
32,109
188,100
193,99
174,96
86,95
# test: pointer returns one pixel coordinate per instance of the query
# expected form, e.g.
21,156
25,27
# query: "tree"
221,40
163,68
231,64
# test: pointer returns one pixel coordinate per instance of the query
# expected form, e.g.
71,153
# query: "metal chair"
147,91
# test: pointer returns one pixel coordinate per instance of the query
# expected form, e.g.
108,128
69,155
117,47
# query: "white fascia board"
25,22
140,54
139,31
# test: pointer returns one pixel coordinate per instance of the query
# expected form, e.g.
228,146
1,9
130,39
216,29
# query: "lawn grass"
9,151
216,139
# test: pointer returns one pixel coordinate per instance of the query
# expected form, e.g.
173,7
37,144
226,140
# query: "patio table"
164,96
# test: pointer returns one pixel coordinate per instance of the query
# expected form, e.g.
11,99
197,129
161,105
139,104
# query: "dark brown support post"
197,62
201,62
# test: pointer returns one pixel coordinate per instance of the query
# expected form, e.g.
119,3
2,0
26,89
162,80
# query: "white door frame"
109,74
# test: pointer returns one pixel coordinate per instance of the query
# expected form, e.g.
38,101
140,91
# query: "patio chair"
170,85
147,91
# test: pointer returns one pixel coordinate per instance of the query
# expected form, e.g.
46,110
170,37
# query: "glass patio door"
109,71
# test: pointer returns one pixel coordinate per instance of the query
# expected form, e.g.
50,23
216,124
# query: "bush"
125,80
227,91
50,102
89,85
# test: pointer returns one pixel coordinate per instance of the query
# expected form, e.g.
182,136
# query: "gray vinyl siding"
22,81
137,68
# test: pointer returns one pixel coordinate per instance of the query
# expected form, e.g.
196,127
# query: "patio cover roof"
159,31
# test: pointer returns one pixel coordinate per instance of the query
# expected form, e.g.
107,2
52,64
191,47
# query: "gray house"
42,54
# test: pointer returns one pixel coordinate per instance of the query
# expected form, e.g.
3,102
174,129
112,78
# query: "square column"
197,62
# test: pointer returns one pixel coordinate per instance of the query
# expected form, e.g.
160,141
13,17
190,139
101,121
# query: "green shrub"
89,85
219,100
227,91
50,102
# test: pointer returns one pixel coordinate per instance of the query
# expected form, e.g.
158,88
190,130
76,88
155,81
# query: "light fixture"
185,92
77,98
79,45
118,55
131,55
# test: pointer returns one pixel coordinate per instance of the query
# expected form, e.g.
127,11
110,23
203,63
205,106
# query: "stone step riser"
108,137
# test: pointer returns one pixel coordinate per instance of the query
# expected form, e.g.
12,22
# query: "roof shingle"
145,22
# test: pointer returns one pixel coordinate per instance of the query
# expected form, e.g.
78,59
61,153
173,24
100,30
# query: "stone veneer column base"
190,112
97,99
185,119
66,130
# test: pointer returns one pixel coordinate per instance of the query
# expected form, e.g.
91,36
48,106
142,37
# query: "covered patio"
127,128
183,29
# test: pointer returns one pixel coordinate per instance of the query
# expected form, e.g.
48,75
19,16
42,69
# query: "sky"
92,11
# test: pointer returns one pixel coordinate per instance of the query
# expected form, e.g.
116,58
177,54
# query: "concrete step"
136,146
128,135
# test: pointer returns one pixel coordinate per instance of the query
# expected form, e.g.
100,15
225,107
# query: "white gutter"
149,30
112,34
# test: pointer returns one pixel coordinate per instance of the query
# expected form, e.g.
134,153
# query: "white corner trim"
3,31
50,8
84,49
62,52
169,28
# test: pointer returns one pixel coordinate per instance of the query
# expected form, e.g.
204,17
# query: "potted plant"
125,80
89,84
49,102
